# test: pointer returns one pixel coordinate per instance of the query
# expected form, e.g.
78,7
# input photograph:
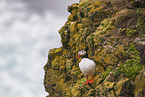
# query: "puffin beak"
78,56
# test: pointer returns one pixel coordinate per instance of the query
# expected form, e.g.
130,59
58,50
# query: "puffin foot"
87,82
91,81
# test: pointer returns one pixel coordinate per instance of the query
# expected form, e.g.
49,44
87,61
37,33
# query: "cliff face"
113,34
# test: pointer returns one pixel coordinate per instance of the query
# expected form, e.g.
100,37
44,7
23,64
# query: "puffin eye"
83,52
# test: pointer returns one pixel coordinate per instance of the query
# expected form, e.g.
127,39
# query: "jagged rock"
140,84
108,31
124,88
126,18
140,46
105,88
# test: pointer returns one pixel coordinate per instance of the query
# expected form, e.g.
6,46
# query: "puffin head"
82,53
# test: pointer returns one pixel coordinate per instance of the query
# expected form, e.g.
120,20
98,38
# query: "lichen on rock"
112,32
140,84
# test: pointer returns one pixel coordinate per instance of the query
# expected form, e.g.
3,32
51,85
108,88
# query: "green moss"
141,26
104,26
122,31
83,3
130,68
132,47
106,73
82,81
131,32
141,11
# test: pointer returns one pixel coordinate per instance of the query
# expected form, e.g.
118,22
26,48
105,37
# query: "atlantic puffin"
86,65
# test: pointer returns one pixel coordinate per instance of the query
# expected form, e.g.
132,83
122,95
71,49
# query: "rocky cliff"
113,34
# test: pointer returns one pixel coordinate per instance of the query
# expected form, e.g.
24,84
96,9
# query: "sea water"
25,39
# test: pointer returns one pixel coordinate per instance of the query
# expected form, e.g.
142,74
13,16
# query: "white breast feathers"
87,66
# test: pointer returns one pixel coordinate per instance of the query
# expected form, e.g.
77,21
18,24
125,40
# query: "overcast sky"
58,7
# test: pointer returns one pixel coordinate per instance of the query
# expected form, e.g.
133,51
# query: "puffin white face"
82,53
